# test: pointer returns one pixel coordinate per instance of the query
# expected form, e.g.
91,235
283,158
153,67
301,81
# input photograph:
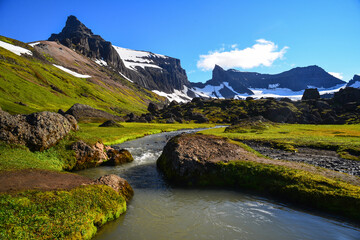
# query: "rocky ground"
321,158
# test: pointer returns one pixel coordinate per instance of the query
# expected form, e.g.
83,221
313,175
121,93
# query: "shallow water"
159,211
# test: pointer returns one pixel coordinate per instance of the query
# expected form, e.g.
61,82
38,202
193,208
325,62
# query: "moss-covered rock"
118,157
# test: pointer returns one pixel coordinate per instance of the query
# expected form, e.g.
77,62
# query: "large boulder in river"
37,131
86,113
117,183
188,157
88,156
118,157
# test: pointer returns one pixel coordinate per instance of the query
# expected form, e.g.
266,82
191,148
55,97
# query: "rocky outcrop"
347,95
311,94
117,183
77,36
111,123
188,157
118,157
88,156
83,112
37,131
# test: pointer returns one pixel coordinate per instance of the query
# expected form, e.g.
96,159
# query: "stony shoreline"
317,157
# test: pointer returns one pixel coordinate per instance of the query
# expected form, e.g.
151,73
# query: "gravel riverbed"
321,158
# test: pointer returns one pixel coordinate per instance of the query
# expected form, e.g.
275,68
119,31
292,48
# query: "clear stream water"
159,211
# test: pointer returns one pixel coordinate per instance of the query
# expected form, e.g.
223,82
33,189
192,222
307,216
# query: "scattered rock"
117,183
111,123
37,131
60,111
88,156
311,94
73,122
83,112
118,157
347,95
21,103
152,107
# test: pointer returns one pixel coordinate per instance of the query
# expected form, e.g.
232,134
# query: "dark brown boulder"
88,156
37,131
111,123
311,94
188,157
118,157
83,112
152,107
117,183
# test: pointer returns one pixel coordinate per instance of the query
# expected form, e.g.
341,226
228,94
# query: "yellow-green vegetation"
73,214
345,139
90,132
34,81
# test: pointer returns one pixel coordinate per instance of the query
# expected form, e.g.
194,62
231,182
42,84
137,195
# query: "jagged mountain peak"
74,25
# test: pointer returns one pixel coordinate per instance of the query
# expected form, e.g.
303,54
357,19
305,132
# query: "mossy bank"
185,162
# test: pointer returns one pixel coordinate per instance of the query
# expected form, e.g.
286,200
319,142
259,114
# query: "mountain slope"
149,70
232,83
33,81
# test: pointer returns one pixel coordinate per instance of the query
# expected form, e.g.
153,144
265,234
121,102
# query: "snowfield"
15,49
133,58
75,74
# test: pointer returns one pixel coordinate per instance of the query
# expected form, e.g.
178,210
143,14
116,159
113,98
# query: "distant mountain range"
76,45
233,83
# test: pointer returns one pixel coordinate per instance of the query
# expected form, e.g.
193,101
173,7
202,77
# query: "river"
159,211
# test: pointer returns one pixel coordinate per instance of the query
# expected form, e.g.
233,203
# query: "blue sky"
262,36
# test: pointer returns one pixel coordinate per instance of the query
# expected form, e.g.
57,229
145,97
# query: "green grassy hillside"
34,81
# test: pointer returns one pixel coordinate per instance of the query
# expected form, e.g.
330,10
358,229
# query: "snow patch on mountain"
100,62
15,49
355,85
75,74
34,44
126,77
133,58
177,95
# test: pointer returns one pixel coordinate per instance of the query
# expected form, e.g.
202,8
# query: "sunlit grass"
343,138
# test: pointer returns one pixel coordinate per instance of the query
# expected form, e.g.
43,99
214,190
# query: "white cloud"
337,75
262,53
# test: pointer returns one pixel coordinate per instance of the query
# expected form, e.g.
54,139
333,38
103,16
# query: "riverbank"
208,161
40,200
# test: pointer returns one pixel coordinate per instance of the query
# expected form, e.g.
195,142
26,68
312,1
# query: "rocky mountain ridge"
152,71
231,83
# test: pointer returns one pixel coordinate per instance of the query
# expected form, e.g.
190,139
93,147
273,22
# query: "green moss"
73,214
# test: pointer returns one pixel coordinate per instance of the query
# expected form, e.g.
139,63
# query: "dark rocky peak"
73,25
355,79
77,36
